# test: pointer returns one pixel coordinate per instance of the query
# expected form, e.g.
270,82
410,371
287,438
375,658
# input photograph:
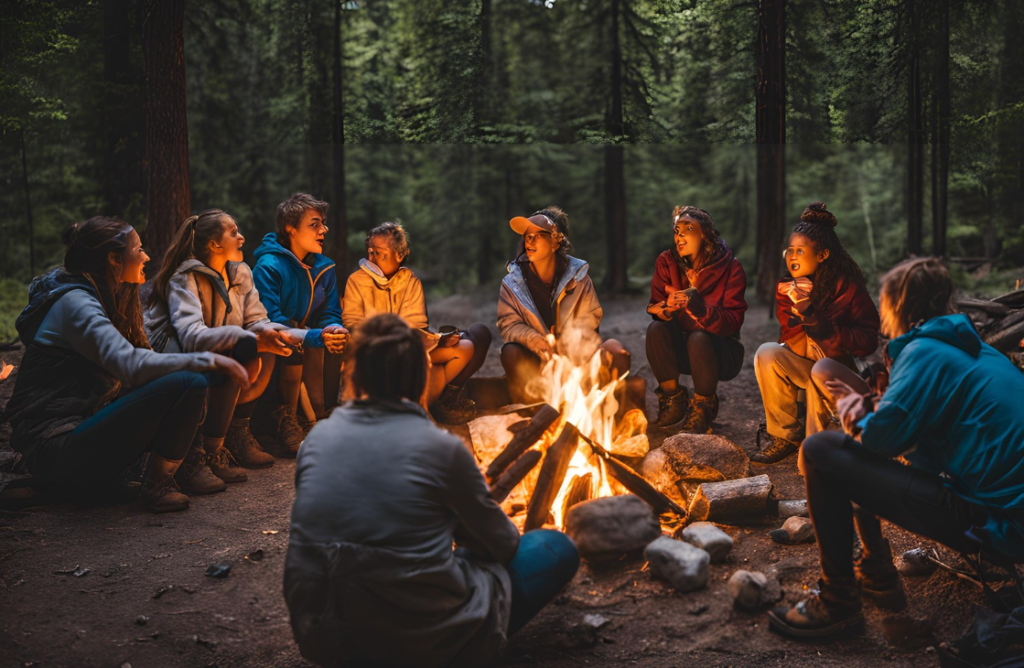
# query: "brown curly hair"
818,224
711,248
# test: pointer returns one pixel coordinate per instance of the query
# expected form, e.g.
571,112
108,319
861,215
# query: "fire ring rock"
749,589
684,566
709,538
605,529
710,450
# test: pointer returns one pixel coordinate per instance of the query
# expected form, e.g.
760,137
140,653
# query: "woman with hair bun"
827,320
698,306
91,396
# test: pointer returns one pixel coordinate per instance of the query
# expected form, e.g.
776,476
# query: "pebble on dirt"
709,538
917,562
792,508
794,530
605,529
749,589
218,570
682,565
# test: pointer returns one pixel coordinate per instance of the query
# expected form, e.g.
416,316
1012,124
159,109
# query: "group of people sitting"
372,577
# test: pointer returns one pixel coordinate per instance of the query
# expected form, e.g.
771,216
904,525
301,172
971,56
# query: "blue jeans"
546,562
161,416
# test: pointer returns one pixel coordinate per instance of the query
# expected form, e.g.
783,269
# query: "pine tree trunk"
941,196
614,171
771,139
28,208
167,186
339,218
124,115
915,134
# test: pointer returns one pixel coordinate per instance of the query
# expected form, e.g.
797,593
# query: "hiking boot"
672,407
194,476
305,424
453,408
879,579
223,465
286,428
245,448
700,417
159,490
825,613
778,448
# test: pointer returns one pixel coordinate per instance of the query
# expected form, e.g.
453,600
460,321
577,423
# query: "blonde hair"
913,291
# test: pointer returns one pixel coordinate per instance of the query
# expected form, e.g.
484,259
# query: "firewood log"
514,474
552,474
522,441
744,498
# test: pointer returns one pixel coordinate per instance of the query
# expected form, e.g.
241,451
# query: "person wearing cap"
548,304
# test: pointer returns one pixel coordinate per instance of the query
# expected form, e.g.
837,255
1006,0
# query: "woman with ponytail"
203,299
827,320
698,306
91,396
381,496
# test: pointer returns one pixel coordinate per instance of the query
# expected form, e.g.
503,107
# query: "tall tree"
940,177
915,131
338,214
123,112
771,139
614,168
168,199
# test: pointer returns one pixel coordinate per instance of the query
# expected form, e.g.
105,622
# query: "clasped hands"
851,405
689,299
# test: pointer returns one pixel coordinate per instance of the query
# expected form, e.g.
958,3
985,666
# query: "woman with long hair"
548,304
827,319
381,496
91,396
698,306
383,284
203,299
952,412
298,286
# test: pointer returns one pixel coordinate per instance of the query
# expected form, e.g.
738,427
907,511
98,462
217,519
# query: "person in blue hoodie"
951,412
299,288
548,304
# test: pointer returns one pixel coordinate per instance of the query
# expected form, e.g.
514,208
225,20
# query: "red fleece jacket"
846,324
721,284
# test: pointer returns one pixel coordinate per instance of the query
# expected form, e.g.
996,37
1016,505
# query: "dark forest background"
905,116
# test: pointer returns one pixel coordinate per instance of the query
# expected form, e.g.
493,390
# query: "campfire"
570,450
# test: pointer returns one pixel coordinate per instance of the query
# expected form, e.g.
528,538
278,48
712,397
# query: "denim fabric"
545,562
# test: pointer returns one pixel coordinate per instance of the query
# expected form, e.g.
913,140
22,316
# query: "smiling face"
230,241
538,244
380,252
801,257
688,237
308,237
132,260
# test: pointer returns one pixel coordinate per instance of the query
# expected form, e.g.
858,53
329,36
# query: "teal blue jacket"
297,294
954,407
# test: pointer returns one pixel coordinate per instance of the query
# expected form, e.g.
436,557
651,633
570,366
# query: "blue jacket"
958,401
295,294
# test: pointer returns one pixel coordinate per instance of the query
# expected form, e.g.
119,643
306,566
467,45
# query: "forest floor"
146,602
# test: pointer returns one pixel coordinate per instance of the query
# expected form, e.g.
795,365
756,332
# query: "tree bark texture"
124,113
915,134
614,168
771,139
339,217
167,185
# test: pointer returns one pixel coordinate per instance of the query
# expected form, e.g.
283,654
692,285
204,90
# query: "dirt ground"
145,601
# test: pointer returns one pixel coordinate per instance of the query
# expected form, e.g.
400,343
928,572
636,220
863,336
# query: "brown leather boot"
672,407
453,408
159,490
224,466
700,417
243,445
289,433
194,476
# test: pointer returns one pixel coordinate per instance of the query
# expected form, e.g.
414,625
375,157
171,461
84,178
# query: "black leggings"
480,335
708,358
846,483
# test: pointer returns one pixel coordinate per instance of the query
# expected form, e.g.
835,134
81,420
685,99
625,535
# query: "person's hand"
676,301
838,389
273,341
695,305
852,408
232,369
543,349
335,338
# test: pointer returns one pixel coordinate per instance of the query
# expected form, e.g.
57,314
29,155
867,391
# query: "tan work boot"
243,445
289,433
224,466
159,490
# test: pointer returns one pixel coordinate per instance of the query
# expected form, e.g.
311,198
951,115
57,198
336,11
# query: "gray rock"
750,590
792,508
595,621
684,566
706,450
607,528
709,538
917,562
794,530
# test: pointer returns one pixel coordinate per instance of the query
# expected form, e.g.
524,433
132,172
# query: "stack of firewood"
1000,321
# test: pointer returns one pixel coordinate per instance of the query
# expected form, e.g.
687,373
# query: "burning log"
522,441
744,498
507,481
552,474
632,481
579,491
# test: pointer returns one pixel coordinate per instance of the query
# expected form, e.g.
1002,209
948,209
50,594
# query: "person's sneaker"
698,421
672,407
816,617
194,476
289,433
224,466
246,449
777,449
453,408
879,579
